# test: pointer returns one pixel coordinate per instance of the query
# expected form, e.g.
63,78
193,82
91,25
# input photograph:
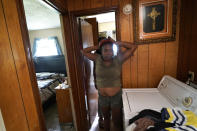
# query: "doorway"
92,29
70,31
48,51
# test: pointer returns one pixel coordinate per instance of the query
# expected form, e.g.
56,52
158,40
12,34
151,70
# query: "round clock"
127,9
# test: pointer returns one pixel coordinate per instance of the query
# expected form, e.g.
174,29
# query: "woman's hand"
119,44
130,49
88,52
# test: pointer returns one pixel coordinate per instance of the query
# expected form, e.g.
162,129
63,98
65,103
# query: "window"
46,47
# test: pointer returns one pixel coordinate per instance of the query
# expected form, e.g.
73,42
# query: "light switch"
191,75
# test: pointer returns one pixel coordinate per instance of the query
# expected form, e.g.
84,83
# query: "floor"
51,114
95,125
52,121
93,102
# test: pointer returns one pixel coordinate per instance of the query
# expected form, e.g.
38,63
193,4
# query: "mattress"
47,88
47,83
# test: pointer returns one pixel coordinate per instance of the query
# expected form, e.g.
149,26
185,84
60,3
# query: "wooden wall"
19,96
151,61
10,94
188,40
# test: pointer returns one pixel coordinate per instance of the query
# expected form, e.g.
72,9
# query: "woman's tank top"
108,76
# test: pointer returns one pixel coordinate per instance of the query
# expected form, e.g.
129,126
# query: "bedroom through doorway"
49,58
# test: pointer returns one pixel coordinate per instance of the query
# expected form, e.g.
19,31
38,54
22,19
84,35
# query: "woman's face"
107,52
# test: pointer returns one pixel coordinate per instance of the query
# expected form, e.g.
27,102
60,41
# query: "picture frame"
154,21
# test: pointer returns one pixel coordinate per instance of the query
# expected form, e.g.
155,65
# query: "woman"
108,78
100,115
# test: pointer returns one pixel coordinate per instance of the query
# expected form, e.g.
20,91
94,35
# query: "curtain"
35,46
59,50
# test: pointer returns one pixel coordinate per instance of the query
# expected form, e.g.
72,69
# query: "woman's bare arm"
88,52
130,49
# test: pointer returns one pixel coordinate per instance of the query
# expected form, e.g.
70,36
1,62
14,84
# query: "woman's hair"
103,42
101,38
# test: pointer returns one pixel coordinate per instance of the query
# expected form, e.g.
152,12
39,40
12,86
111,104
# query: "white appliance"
170,93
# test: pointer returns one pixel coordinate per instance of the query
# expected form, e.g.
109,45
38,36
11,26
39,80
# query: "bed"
46,84
50,72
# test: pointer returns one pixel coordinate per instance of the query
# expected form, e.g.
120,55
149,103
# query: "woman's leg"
101,121
104,102
117,118
99,108
107,116
116,108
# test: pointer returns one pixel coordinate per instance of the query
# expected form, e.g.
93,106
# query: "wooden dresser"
64,104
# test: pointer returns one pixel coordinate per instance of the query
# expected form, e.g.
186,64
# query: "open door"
83,36
84,66
93,22
87,39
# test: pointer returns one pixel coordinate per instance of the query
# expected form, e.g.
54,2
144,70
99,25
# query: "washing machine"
170,93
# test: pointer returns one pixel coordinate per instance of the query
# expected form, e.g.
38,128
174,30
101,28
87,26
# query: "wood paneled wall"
188,40
10,93
19,96
150,61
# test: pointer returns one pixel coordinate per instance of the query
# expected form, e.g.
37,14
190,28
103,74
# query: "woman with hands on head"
108,77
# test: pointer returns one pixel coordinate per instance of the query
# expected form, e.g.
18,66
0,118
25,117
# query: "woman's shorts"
112,101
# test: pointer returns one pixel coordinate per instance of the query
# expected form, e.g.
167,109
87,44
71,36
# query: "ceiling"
40,16
104,17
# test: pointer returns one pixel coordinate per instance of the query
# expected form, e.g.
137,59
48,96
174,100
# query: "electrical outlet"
191,74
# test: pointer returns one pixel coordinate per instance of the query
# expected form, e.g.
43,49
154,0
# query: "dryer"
170,93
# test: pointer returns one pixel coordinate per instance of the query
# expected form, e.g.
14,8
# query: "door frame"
71,39
95,11
76,39
79,119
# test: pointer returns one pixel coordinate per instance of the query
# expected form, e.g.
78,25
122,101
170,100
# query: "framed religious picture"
154,21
